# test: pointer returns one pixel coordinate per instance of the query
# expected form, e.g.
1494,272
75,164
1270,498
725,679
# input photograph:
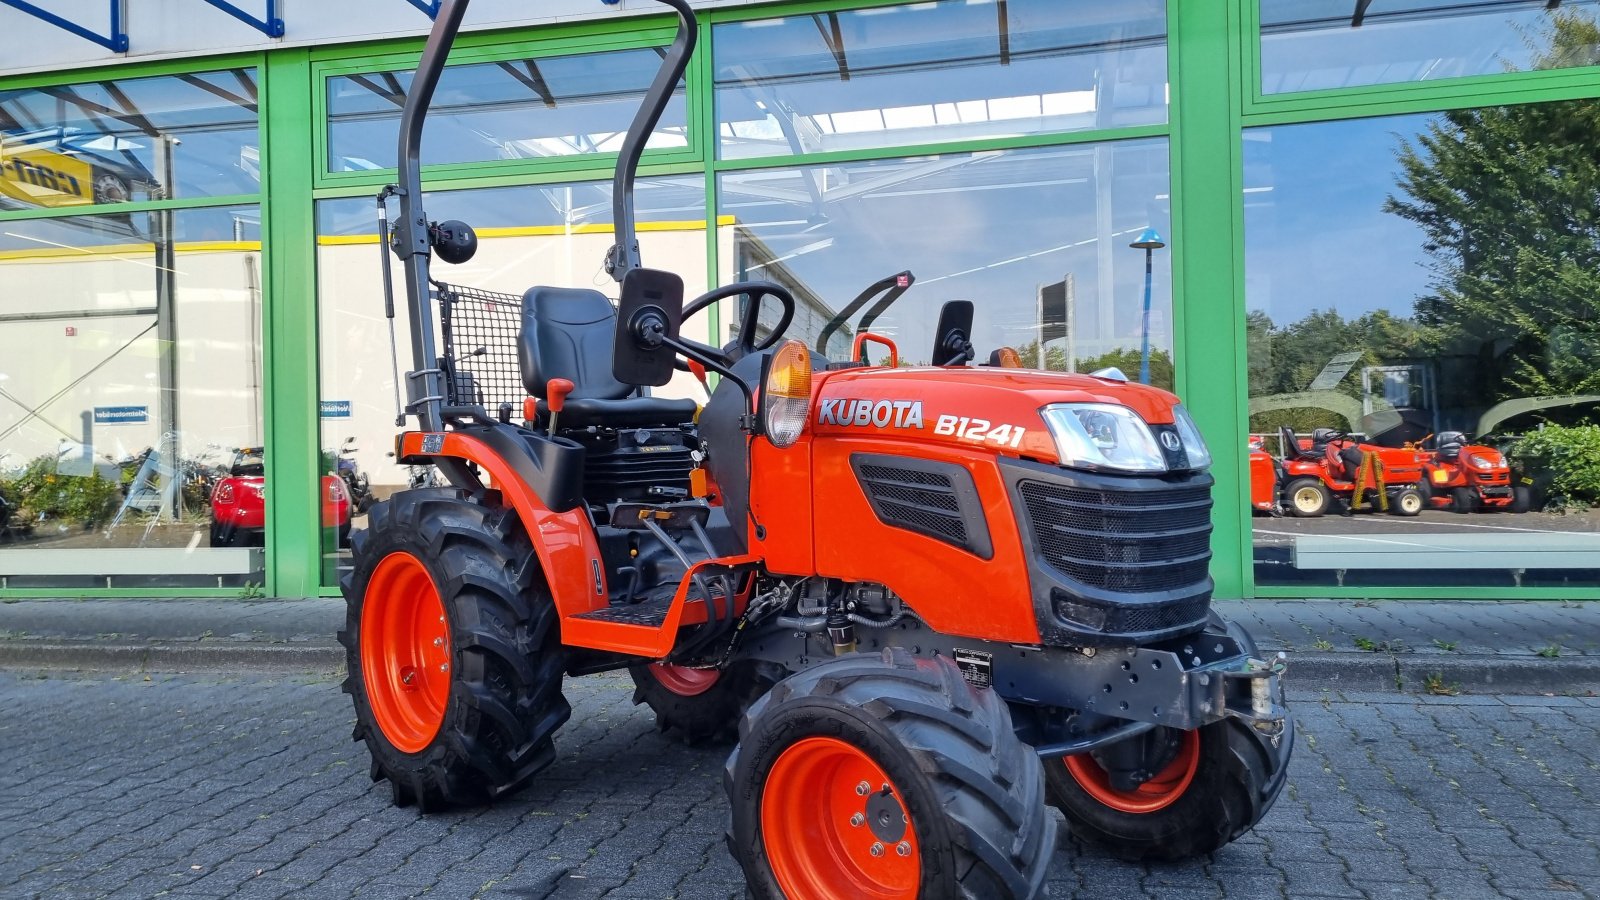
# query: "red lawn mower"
1310,474
1471,478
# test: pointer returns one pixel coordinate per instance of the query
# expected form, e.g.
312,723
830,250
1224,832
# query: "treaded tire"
505,697
1521,498
973,791
711,716
1239,777
1308,486
1464,500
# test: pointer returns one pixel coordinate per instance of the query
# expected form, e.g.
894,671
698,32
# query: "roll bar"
412,238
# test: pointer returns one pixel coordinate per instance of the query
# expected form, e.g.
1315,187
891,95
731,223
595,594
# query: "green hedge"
1570,456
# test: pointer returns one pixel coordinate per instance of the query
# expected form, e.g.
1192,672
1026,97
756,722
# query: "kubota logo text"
871,414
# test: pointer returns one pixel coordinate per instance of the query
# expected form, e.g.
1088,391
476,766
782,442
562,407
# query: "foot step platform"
650,614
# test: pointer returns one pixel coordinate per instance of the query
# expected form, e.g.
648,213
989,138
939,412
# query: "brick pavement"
200,786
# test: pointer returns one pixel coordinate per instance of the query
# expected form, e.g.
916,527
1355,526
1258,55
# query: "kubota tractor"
934,598
1311,474
1471,477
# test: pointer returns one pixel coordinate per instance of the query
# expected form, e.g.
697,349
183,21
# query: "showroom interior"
1371,216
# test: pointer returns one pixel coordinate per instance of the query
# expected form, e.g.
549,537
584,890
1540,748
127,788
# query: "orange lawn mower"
1471,477
933,598
1310,476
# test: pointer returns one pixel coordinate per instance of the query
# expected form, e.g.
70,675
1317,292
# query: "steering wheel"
747,322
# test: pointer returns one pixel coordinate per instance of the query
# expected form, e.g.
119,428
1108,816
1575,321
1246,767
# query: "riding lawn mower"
933,598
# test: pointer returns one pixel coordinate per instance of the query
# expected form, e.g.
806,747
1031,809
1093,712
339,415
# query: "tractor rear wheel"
1521,498
886,777
1210,786
1307,498
453,649
700,705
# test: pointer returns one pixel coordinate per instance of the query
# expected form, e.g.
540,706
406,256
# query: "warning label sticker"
976,666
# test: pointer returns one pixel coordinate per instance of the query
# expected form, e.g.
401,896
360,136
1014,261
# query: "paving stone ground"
202,786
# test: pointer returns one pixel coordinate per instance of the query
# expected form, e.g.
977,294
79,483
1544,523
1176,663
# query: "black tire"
1521,498
1307,498
972,791
709,716
1240,774
223,535
505,698
1407,502
1464,500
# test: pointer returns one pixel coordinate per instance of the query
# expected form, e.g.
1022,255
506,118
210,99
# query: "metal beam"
224,93
430,7
833,37
116,42
1360,13
271,26
72,314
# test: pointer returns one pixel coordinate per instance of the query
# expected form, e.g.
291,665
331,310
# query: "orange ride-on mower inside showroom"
1471,478
1333,468
935,599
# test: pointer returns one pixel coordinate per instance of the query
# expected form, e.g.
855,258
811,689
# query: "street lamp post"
1149,241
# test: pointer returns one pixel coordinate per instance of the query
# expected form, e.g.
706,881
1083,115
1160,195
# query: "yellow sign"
41,177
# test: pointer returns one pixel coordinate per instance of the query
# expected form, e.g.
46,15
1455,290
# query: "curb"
221,658
1469,674
1377,672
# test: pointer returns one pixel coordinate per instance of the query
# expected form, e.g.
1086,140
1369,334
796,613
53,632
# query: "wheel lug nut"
438,642
444,667
877,849
862,788
858,820
904,848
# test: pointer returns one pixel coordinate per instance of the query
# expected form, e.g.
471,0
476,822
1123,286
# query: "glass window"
132,139
130,400
941,71
1425,285
1037,239
515,109
550,234
1310,45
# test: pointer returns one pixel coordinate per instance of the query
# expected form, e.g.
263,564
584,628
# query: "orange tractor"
1471,477
934,599
1310,475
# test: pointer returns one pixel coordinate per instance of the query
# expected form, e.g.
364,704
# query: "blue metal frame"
431,7
116,43
271,26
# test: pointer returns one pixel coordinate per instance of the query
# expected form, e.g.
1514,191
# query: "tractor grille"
480,331
1144,541
924,502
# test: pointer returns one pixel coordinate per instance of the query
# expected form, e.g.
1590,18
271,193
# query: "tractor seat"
568,333
1451,443
1291,444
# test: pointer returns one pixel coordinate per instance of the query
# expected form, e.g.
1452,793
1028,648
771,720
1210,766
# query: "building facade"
1378,217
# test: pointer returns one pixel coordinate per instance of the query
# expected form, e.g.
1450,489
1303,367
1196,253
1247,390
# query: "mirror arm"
748,420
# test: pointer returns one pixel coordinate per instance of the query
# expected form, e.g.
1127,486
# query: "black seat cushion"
569,333
631,412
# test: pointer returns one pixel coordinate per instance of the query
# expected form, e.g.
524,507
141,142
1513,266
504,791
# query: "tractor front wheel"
1307,498
453,649
1521,498
700,705
1407,502
1464,500
886,777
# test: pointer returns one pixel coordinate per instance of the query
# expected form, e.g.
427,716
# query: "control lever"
555,393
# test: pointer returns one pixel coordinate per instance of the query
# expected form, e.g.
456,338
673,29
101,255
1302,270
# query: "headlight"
786,397
1103,436
1484,463
1193,443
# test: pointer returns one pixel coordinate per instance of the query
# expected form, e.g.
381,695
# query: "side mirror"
648,315
454,241
953,338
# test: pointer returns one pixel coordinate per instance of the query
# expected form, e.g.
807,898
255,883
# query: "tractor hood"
978,408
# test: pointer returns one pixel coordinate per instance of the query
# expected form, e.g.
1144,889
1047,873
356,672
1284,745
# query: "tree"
1509,199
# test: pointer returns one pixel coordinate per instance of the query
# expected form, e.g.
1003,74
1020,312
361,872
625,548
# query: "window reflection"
1426,282
123,140
130,374
513,109
941,71
548,234
1309,45
1037,239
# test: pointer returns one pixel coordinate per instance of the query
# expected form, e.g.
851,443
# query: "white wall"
182,28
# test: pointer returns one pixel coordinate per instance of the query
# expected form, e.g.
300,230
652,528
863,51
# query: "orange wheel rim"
835,826
684,681
1158,793
405,652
